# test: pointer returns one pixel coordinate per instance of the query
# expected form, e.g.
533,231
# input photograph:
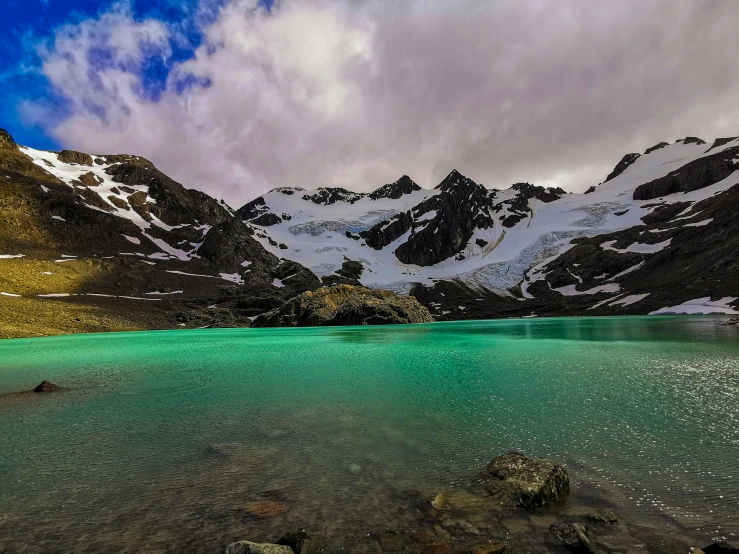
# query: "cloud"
337,93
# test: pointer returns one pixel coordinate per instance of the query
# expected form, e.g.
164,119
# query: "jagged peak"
455,178
404,185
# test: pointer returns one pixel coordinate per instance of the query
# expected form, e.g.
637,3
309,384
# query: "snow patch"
700,306
571,290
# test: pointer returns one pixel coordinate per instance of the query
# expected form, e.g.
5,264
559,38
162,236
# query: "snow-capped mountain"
113,233
527,242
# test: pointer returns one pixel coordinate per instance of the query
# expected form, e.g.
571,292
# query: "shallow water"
162,437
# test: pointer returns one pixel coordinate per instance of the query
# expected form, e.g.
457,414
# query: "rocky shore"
520,505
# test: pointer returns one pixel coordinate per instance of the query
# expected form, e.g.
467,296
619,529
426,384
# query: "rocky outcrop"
72,157
695,175
404,185
532,481
345,305
46,386
248,547
657,146
266,220
331,195
621,166
386,232
720,142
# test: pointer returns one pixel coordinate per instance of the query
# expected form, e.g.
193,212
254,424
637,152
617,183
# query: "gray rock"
533,481
574,537
248,547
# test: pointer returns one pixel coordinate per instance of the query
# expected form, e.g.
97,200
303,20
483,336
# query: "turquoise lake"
160,438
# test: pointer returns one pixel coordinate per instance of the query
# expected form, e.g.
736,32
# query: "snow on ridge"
699,306
571,290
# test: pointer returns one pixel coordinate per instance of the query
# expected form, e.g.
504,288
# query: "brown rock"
46,386
73,157
119,203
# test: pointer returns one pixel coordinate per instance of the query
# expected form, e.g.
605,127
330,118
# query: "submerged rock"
574,537
345,305
248,547
46,386
533,481
294,539
733,321
602,516
267,508
721,547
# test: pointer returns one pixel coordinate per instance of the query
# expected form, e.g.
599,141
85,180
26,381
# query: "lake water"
161,438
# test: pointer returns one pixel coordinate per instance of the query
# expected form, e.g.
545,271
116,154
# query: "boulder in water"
533,481
46,386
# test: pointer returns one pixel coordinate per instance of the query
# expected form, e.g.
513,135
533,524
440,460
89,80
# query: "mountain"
661,231
100,242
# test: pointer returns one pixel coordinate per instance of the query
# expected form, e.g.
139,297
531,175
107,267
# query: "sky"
236,97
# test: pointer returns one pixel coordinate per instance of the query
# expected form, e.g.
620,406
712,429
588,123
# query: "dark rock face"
331,195
518,207
720,142
345,305
266,219
404,185
591,189
695,175
351,269
574,537
461,207
46,386
229,244
534,481
252,209
72,157
385,232
656,147
693,140
175,204
621,166
665,212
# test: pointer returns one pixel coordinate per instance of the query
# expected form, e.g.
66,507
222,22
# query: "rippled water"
161,438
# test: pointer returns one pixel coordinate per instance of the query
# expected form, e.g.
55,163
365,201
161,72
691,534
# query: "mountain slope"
114,243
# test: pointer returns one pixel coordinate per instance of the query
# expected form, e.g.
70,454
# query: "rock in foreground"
533,481
345,305
248,547
46,386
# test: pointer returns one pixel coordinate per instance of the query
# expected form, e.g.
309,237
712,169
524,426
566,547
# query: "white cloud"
333,93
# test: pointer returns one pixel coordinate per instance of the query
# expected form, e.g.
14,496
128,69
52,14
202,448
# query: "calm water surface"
161,437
